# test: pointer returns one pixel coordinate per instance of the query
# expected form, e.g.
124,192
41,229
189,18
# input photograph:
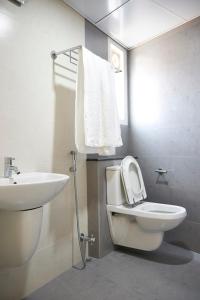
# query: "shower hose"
81,241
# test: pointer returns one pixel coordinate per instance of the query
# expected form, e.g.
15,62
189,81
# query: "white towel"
97,126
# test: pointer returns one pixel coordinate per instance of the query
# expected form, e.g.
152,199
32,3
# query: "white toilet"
133,222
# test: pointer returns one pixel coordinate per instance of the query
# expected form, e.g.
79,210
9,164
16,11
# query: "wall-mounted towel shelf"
73,55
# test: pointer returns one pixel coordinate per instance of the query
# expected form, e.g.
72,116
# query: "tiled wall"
37,127
165,123
97,212
97,42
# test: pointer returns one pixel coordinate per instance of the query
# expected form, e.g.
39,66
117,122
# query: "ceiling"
134,22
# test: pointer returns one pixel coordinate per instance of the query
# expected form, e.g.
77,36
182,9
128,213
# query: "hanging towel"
97,126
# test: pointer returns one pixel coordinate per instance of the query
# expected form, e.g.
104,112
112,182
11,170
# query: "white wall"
37,127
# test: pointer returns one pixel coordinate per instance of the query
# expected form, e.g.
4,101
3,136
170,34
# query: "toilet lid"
132,180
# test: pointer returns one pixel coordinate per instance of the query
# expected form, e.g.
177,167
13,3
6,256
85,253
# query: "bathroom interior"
99,149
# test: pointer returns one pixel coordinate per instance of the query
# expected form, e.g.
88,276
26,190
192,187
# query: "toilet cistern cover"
132,180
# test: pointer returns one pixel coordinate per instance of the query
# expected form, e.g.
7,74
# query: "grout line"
176,27
168,9
104,17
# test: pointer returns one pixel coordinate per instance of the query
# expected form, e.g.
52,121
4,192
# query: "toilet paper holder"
161,171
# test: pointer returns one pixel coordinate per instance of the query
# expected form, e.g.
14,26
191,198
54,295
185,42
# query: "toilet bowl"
133,222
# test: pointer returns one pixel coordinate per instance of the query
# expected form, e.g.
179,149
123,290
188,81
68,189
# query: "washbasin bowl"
30,190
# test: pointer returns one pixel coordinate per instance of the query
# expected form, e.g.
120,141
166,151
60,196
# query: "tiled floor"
170,273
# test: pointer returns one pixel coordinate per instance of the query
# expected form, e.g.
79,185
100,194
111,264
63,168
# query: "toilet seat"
150,217
150,210
132,180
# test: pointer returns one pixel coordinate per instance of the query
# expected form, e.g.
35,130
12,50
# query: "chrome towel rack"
72,54
68,53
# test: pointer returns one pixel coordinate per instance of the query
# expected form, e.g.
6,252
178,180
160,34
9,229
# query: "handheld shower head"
74,158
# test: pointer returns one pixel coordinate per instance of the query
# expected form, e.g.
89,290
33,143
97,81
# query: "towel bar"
69,52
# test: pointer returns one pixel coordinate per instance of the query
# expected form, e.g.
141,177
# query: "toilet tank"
115,191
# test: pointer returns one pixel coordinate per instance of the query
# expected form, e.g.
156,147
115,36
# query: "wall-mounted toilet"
133,222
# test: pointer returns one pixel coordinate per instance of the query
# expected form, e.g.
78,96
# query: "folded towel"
97,126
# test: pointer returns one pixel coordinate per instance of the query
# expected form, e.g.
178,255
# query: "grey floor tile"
170,272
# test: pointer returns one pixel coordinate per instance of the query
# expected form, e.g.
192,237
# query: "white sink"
30,190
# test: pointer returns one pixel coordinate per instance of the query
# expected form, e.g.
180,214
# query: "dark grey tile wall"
97,42
97,213
165,123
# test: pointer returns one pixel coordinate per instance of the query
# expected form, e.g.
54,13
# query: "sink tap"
9,168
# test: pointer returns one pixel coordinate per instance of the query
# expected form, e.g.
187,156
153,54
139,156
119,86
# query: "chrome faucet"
9,168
